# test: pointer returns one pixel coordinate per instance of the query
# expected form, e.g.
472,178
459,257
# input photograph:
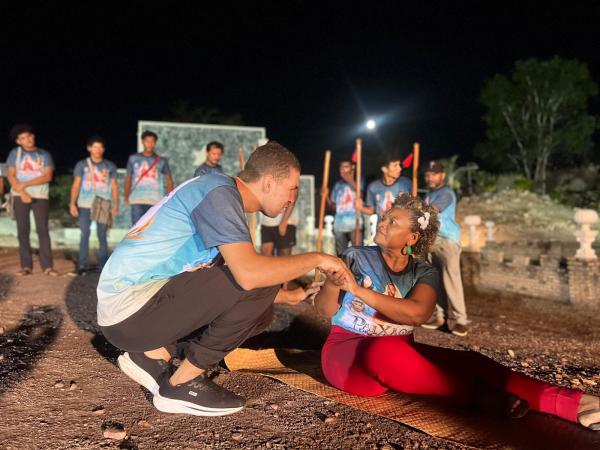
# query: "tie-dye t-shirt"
97,183
371,271
444,200
31,165
150,189
181,233
343,195
382,196
205,169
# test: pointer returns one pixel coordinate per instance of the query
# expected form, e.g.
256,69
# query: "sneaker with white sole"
143,370
460,330
434,323
199,397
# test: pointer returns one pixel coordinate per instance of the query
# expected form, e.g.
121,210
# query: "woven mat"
302,370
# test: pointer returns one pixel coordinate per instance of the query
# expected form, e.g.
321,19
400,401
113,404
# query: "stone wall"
543,275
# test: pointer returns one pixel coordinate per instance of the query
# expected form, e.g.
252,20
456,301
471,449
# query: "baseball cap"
434,166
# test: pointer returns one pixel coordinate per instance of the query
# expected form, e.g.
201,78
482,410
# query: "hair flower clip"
424,220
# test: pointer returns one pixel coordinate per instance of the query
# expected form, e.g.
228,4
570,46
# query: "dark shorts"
271,234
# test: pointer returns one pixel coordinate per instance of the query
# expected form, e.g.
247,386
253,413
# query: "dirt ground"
60,387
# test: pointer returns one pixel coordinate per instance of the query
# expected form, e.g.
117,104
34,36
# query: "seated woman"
387,291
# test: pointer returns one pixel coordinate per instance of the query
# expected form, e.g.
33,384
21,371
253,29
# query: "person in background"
343,197
382,193
214,153
30,171
148,178
93,177
278,236
445,254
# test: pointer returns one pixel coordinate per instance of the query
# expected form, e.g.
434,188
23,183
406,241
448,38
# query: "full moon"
370,124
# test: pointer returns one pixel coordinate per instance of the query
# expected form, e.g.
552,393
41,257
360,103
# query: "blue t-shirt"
181,233
31,164
371,271
151,188
343,195
382,196
205,169
98,182
444,200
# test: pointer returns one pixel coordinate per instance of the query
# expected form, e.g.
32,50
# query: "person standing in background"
93,177
151,177
30,171
214,153
445,254
343,196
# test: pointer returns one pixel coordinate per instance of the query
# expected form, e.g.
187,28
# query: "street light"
370,124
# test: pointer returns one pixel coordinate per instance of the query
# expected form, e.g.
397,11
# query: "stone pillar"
491,228
585,235
584,281
473,222
328,237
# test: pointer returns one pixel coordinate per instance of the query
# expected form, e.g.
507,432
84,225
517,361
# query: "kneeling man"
188,272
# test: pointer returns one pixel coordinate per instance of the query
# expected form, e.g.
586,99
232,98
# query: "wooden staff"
357,233
242,162
415,177
324,194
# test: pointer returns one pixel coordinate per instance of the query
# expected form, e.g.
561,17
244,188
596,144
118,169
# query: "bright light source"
370,124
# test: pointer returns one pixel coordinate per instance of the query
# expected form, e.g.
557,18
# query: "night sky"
311,75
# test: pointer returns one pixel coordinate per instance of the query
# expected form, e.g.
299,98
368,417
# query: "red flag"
354,157
407,161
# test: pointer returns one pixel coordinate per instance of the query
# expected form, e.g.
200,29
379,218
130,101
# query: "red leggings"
369,366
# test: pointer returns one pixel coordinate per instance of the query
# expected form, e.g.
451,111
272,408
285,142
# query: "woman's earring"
408,250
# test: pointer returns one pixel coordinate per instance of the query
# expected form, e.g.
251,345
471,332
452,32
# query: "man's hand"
358,204
330,263
126,200
298,295
73,210
25,197
17,186
282,228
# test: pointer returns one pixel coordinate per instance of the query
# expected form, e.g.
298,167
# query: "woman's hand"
344,280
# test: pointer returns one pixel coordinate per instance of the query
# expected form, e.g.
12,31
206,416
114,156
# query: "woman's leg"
342,368
424,369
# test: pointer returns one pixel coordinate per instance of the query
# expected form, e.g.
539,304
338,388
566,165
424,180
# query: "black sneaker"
199,397
460,330
143,370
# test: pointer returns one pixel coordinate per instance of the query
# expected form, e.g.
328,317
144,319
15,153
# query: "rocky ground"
60,388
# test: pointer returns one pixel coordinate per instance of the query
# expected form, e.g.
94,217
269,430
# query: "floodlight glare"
370,124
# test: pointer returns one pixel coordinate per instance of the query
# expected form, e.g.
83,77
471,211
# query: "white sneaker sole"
136,373
181,407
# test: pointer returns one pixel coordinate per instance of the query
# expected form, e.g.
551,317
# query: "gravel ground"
60,388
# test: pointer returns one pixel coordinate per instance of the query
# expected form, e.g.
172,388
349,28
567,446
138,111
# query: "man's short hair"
388,158
152,134
20,128
94,139
216,144
271,158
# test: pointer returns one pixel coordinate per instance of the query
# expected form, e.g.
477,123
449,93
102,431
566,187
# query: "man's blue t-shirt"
31,165
205,169
151,188
181,233
381,196
343,195
371,271
98,182
444,200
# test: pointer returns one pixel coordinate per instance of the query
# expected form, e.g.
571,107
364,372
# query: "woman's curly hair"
417,208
